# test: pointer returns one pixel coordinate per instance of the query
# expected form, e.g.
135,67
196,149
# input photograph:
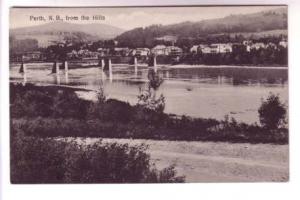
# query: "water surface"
209,92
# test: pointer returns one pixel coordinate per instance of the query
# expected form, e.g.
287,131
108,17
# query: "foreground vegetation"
51,111
48,160
41,116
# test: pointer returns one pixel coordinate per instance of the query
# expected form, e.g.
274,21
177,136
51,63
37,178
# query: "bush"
46,160
33,101
272,113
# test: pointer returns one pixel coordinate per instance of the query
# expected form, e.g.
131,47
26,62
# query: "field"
218,161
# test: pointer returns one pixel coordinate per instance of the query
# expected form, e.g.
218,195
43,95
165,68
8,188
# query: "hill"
265,21
58,31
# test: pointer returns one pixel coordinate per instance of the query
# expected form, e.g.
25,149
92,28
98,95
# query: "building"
205,49
283,43
167,39
118,51
33,55
103,51
84,54
194,49
215,48
141,52
159,50
174,51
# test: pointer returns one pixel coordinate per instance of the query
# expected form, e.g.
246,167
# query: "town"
167,50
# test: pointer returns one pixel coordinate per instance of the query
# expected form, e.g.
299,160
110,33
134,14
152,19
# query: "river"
196,91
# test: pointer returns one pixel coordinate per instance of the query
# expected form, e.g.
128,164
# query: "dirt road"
219,161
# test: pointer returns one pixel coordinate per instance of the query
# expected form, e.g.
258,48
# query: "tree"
147,98
272,112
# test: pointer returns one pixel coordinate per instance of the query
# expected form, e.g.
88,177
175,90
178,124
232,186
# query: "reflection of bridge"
104,62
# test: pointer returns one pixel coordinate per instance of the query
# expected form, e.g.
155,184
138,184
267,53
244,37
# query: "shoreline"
182,66
86,65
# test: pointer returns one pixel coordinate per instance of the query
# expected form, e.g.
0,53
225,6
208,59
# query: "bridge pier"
110,70
135,65
101,63
107,64
66,66
22,68
152,63
55,68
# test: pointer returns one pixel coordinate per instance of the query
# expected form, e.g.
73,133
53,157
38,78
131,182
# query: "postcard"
154,94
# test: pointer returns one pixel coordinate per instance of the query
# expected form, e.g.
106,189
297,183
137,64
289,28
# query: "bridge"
104,62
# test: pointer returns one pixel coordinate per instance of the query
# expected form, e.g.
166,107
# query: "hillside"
248,23
59,31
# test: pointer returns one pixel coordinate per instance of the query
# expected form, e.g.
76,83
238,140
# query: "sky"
129,17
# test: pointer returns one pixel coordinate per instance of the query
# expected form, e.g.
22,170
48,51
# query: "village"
166,47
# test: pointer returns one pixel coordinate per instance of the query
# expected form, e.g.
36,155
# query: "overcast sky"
128,18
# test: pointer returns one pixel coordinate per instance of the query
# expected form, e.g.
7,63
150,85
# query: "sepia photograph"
149,94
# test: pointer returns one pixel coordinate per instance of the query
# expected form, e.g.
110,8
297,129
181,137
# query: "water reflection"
199,92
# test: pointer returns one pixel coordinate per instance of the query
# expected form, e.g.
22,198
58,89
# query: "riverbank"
51,111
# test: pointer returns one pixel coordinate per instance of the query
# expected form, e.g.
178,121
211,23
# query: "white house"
194,49
160,50
141,52
283,43
216,48
174,51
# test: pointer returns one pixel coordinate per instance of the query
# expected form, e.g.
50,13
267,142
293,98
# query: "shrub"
68,105
272,112
46,160
147,97
34,101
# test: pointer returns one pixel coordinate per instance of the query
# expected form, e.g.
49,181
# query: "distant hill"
265,21
58,31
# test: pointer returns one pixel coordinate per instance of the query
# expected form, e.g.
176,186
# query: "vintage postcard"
148,94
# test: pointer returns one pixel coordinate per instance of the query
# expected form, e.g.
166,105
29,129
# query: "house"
167,39
159,50
86,54
194,49
215,48
72,54
283,43
205,49
103,51
32,55
141,52
223,48
118,51
174,51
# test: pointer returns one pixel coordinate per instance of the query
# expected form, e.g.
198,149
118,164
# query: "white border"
251,191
